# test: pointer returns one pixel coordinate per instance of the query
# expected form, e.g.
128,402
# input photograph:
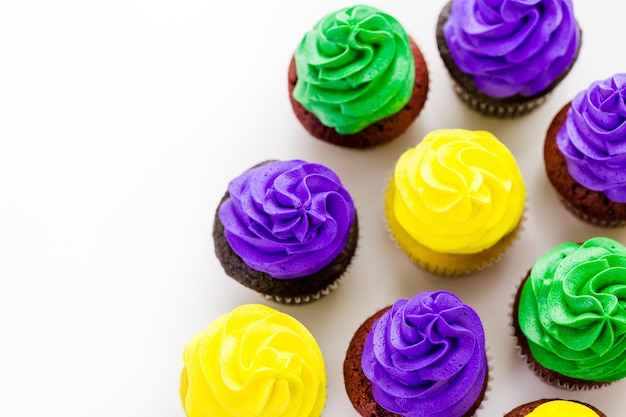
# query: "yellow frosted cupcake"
253,362
555,407
455,201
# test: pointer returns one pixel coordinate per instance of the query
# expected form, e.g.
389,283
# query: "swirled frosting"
354,68
426,357
254,362
458,191
562,408
572,310
512,47
593,137
287,218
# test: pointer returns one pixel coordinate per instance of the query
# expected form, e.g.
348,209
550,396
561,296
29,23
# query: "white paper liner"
309,297
503,110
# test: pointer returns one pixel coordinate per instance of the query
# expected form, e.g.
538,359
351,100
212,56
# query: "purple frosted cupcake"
424,356
506,56
585,153
286,229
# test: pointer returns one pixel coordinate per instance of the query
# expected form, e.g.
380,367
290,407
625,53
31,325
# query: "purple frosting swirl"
426,356
512,47
593,137
287,218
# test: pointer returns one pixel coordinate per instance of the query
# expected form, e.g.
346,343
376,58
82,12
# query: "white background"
121,123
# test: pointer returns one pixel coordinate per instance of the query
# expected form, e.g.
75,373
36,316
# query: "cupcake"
357,79
555,407
424,356
254,361
585,153
286,229
455,201
569,315
504,57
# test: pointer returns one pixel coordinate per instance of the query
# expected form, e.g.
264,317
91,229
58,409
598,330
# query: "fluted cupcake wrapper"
546,375
305,298
489,107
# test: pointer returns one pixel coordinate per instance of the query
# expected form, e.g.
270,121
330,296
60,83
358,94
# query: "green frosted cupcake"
569,314
357,79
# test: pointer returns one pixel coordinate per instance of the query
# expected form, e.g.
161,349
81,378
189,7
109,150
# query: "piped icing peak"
572,310
512,47
593,137
425,356
458,191
287,218
254,362
562,408
354,67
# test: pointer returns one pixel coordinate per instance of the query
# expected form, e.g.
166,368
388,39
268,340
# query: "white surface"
121,123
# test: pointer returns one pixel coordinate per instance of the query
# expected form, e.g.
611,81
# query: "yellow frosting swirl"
562,408
253,362
458,191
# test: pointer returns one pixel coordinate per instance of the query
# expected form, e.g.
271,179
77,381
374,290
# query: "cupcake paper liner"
305,298
490,107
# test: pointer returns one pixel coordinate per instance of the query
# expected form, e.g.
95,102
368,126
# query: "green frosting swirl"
573,310
354,68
